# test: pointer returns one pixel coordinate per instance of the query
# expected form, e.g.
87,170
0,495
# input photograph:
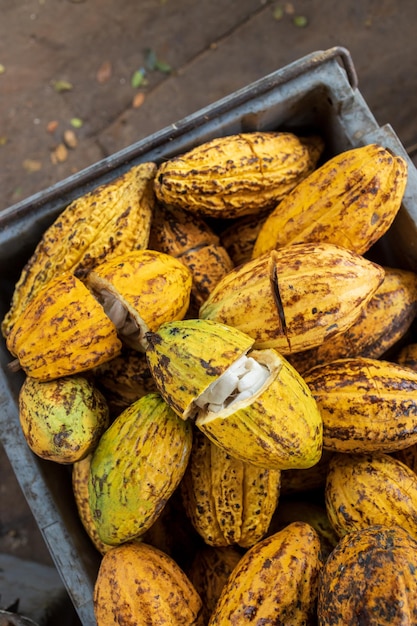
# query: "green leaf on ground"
300,21
76,122
154,64
62,85
138,78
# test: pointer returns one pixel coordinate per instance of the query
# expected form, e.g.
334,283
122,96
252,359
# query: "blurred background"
82,79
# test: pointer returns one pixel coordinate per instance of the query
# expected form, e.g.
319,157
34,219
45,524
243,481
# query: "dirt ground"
82,79
72,90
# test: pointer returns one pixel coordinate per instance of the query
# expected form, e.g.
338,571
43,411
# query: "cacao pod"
63,419
367,489
294,298
136,466
112,219
277,427
351,200
370,578
237,175
384,320
63,331
227,500
138,585
190,239
141,290
367,405
275,581
186,356
254,405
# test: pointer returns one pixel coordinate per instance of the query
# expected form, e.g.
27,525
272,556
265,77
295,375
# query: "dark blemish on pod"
210,369
153,339
249,612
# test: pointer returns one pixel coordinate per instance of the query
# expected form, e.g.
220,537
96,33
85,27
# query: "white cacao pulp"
239,382
128,328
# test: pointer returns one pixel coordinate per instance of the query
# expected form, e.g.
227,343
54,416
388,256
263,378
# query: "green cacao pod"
136,467
62,419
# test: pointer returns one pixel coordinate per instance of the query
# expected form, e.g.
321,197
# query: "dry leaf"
52,126
60,154
138,100
70,139
32,165
104,72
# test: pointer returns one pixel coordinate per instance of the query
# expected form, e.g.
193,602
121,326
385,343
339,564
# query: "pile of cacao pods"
213,348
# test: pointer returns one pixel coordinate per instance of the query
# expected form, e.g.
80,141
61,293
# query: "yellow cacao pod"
237,175
366,489
63,419
63,331
108,221
138,585
254,405
367,405
295,298
190,239
227,500
275,581
351,200
185,357
278,427
141,290
136,466
384,320
176,232
370,578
